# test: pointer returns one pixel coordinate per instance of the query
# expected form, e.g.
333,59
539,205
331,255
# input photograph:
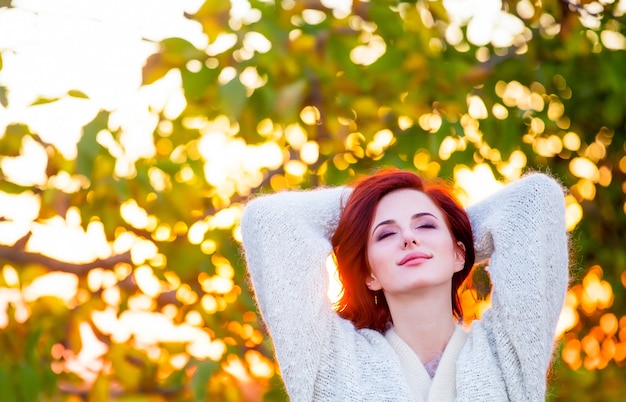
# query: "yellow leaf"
100,389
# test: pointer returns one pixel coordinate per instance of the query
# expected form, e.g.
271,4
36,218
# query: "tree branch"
18,255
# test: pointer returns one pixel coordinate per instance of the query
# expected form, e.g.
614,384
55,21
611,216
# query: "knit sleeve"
286,239
522,230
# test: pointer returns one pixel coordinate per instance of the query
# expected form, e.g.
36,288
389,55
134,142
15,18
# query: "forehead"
404,203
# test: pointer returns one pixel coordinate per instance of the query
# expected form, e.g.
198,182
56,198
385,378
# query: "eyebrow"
413,217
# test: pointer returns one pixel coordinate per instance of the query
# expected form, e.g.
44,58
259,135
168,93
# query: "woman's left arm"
522,230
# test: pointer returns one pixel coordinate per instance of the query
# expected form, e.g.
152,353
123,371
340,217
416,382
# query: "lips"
414,258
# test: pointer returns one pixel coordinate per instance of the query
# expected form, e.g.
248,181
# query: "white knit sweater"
322,357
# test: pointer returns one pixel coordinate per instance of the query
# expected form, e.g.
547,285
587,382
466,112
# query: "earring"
376,299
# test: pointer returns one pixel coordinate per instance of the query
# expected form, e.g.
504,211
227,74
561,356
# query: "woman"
403,247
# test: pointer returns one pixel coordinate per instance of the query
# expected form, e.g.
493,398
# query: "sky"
95,46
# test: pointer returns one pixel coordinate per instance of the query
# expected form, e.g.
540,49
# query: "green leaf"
88,147
174,53
214,16
11,143
31,345
154,69
12,188
178,51
100,390
196,84
7,389
28,383
77,94
614,110
128,365
4,101
44,101
289,99
233,98
201,378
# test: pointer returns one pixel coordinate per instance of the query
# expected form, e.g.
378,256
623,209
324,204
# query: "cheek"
370,255
374,257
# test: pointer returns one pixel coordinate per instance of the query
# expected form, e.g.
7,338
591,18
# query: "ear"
372,283
459,256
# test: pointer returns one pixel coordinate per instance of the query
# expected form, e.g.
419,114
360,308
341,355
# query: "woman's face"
410,246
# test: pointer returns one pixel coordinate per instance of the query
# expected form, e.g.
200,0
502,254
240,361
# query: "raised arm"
522,230
286,238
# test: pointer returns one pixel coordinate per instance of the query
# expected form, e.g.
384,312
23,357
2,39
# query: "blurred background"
133,132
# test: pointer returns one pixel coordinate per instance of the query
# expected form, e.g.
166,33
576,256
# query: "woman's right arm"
286,239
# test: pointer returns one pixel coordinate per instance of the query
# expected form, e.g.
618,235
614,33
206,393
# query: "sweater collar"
442,387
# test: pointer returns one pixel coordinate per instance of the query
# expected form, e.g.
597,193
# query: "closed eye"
426,226
384,235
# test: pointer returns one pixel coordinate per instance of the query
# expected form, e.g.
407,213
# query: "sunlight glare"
88,362
94,279
68,184
370,52
257,42
225,218
22,208
476,107
222,43
10,276
310,152
135,215
194,319
310,115
486,22
430,122
525,9
146,281
260,366
609,324
251,79
295,135
447,147
384,138
58,240
61,285
143,250
405,122
197,231
335,287
596,293
235,367
573,212
112,296
341,8
159,180
584,168
477,183
28,168
296,168
241,12
568,317
15,299
313,17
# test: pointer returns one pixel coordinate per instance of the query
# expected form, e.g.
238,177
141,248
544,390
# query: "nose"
406,243
409,240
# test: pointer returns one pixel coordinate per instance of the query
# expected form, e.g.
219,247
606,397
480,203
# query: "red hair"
357,302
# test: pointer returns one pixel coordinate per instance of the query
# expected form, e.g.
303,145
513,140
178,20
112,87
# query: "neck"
423,321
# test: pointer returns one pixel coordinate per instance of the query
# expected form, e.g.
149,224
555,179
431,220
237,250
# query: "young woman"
403,247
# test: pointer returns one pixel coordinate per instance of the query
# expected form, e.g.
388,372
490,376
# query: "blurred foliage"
151,302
